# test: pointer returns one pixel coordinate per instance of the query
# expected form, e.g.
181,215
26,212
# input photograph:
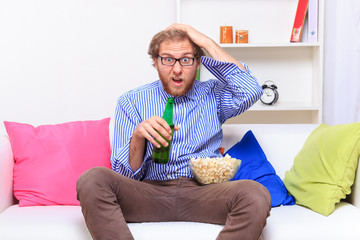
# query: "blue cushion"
255,166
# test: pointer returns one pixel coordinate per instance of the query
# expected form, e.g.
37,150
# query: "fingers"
196,36
156,130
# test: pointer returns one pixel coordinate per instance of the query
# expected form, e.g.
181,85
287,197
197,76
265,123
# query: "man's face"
177,80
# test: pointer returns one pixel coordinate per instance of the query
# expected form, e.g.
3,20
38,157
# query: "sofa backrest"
6,172
280,142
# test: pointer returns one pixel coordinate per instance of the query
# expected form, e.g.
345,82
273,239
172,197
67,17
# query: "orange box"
226,34
242,36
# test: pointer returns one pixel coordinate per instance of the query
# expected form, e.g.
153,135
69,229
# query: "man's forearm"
136,152
218,53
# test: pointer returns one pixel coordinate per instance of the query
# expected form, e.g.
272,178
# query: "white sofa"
280,143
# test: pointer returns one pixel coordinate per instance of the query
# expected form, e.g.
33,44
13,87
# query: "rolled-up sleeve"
126,120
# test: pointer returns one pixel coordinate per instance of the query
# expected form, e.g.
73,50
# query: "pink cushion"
50,158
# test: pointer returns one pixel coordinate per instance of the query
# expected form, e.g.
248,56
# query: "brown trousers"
110,200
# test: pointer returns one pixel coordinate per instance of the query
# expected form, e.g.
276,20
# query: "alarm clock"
270,95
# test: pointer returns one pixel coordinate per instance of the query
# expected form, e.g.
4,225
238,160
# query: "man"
148,192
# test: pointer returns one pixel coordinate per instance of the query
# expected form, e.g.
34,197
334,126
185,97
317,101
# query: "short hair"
172,35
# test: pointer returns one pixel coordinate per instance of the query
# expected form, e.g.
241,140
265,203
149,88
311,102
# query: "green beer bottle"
162,154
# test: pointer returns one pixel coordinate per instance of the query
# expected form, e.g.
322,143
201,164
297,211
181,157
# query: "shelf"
276,117
295,68
272,45
289,106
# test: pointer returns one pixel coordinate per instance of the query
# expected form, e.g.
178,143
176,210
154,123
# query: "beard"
177,86
176,91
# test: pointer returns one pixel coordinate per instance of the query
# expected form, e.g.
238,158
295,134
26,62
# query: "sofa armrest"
355,190
6,173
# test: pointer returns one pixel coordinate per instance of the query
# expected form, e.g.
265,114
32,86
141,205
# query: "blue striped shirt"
199,114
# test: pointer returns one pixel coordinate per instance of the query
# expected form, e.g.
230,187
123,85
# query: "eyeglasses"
169,61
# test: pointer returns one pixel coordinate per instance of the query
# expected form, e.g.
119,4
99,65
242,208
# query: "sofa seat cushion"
285,222
66,222
298,223
176,231
43,223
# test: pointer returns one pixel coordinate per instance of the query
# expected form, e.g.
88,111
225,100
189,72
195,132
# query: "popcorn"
214,170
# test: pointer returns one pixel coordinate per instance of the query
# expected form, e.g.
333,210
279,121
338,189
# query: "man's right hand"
150,129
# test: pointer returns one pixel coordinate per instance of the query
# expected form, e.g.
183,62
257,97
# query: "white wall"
71,59
342,62
67,60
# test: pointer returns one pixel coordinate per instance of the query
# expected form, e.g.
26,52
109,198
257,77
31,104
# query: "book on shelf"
312,15
304,34
299,20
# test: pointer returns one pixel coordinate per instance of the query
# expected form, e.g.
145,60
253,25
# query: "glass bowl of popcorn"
214,170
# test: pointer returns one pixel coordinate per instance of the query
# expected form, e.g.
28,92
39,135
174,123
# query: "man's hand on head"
203,41
197,37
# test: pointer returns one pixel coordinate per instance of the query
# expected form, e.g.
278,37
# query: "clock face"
268,96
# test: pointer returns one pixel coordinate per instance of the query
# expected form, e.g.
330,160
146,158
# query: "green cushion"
324,169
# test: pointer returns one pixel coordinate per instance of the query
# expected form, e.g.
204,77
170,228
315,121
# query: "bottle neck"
168,112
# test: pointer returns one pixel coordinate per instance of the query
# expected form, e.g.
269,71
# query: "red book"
299,20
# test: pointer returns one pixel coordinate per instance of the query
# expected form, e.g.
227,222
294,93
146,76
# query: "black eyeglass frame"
177,60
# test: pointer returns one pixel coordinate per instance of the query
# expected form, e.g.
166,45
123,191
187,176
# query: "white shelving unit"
296,68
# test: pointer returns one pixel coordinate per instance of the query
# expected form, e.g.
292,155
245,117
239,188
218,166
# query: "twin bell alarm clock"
270,95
